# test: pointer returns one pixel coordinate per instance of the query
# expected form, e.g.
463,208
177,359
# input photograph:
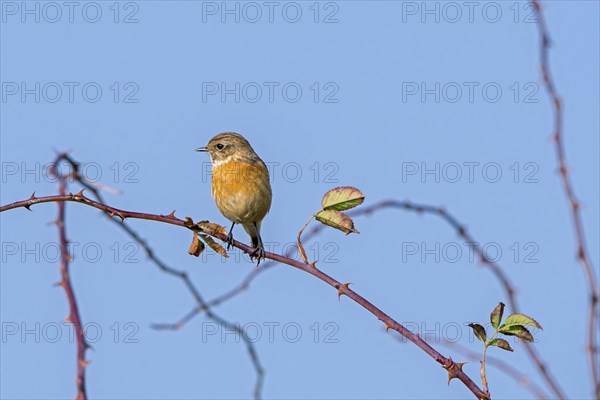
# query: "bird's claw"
259,253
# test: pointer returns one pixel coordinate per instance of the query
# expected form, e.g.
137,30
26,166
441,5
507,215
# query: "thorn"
340,291
68,319
172,215
31,198
188,222
119,214
387,327
80,193
450,368
59,283
313,264
84,363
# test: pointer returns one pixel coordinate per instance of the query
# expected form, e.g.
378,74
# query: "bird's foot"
259,253
229,240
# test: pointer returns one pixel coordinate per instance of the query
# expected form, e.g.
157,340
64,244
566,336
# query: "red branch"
575,208
460,229
65,282
342,288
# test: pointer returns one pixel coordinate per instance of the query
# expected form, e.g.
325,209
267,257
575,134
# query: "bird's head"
228,146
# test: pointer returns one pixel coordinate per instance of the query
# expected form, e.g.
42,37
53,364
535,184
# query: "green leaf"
517,330
197,247
520,319
337,220
496,316
479,332
342,198
503,344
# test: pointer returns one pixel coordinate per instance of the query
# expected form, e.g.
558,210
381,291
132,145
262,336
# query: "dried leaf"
342,198
520,319
338,220
215,246
479,332
197,247
519,331
496,316
211,228
503,344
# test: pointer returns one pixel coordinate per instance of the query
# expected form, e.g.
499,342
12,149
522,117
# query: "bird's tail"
254,233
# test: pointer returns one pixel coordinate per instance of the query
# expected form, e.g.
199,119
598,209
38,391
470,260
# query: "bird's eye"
220,146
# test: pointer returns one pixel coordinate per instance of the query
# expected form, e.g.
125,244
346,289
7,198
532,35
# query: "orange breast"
242,191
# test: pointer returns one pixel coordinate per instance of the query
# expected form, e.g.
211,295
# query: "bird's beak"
202,149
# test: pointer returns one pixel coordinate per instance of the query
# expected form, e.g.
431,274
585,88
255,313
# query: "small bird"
240,186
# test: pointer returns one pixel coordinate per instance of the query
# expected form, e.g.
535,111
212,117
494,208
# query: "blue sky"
436,103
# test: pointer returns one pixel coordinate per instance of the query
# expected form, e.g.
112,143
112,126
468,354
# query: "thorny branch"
65,282
582,251
198,298
454,369
461,230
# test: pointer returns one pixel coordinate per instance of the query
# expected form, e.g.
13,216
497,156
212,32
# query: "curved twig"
461,230
453,368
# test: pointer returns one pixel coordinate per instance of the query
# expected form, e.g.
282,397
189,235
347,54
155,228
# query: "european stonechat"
240,186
